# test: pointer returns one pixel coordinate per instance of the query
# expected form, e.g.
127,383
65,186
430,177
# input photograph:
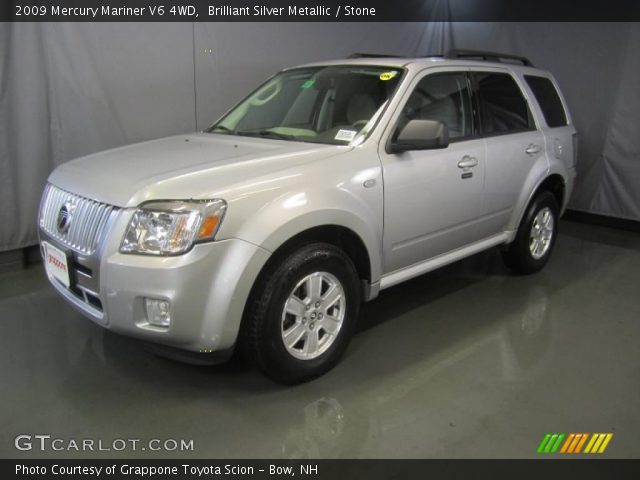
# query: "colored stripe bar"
551,443
605,443
557,444
543,443
591,442
574,443
599,440
581,443
567,443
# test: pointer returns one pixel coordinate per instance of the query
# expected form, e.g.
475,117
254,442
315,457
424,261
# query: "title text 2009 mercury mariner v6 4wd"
330,182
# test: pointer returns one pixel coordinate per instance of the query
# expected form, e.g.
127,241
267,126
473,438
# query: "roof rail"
489,56
373,55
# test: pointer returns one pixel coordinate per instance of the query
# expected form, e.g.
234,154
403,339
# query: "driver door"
433,198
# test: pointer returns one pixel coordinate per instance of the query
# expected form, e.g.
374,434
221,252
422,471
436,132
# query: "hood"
181,167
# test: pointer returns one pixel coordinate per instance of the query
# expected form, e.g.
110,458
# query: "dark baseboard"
11,260
19,258
32,254
603,220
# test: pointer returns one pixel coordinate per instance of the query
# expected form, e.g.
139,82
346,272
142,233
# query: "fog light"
157,312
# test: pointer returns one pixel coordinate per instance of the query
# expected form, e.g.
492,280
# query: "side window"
443,97
548,99
503,108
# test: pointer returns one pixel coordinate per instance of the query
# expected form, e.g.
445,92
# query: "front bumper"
207,289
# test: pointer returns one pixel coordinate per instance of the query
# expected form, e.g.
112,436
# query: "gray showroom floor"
469,361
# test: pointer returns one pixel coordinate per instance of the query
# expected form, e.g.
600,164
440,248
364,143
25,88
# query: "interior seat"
360,108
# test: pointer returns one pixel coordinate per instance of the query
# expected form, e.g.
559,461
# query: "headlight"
172,227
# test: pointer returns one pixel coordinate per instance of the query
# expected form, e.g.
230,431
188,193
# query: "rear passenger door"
513,144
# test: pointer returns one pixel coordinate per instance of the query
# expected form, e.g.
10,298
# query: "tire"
312,299
536,236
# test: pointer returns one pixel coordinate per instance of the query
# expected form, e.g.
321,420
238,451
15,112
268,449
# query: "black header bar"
320,10
317,469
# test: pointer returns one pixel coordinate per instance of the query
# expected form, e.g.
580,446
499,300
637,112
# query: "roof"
453,58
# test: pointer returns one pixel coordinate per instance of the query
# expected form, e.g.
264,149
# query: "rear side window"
548,99
503,108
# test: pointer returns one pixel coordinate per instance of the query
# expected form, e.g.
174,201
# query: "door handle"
468,162
532,149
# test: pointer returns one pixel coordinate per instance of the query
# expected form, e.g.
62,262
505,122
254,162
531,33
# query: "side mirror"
421,135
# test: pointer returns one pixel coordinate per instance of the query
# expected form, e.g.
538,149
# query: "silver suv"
329,183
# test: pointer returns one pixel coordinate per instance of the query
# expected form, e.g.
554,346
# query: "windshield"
332,105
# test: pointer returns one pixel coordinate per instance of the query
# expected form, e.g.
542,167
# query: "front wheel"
534,241
302,314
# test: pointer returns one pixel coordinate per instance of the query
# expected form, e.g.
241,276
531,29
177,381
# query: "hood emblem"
65,215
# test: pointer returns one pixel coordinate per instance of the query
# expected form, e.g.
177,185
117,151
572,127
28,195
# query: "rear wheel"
534,241
302,314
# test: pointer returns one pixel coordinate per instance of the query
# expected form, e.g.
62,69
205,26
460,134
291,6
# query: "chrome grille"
87,220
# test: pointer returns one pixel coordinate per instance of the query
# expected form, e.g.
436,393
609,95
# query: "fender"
291,214
330,191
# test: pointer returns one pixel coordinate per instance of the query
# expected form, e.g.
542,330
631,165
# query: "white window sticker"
345,135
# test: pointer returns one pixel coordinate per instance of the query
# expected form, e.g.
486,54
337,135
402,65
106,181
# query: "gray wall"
598,68
71,89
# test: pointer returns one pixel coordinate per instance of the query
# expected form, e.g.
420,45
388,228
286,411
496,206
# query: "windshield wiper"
267,133
223,129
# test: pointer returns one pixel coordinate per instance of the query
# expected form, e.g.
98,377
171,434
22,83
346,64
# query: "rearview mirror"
421,135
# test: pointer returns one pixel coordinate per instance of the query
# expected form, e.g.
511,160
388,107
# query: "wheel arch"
555,184
339,236
552,182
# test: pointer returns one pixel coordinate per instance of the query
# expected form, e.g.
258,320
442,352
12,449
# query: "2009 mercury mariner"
329,183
